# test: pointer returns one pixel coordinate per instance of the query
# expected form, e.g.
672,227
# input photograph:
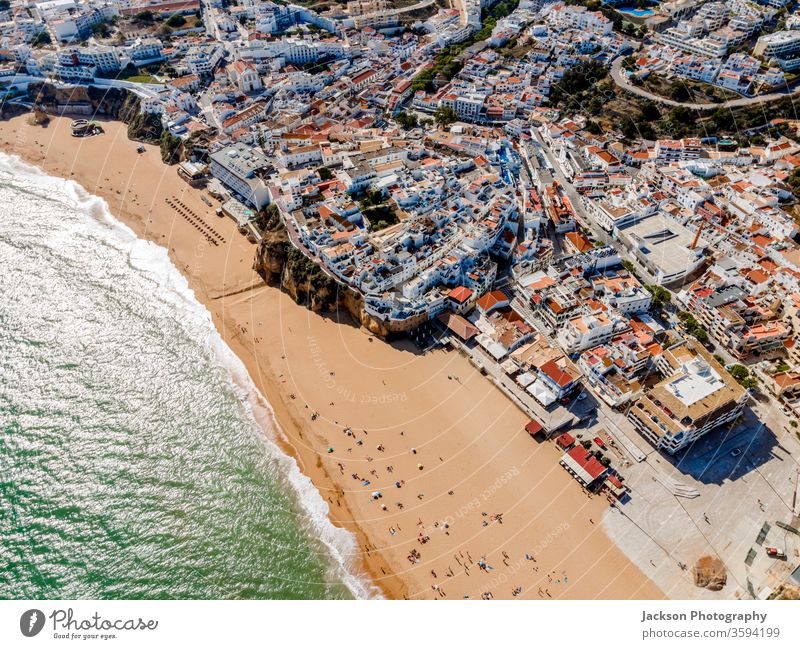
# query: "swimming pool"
639,13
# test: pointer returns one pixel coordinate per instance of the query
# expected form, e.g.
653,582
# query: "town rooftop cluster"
442,187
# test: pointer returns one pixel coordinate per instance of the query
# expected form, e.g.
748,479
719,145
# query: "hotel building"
696,396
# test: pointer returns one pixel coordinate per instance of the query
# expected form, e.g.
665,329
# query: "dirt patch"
709,572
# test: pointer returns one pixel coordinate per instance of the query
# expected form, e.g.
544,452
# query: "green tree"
407,120
444,116
176,20
143,18
661,296
629,63
750,383
693,327
681,114
649,110
100,30
575,82
678,91
739,372
593,127
41,39
325,173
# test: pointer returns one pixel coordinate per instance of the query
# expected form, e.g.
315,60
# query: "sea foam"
153,261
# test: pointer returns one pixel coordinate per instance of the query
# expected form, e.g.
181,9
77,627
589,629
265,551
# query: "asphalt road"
577,204
622,81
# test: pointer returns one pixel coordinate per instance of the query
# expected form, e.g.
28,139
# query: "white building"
104,58
696,396
243,170
784,44
245,76
203,59
145,49
585,331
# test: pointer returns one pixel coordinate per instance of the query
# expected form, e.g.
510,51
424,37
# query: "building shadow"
401,342
729,453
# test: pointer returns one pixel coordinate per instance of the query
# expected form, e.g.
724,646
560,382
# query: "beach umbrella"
419,466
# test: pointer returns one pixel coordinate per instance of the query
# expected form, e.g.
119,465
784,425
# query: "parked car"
776,553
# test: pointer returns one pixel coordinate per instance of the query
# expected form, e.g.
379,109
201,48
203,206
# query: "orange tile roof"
460,294
491,300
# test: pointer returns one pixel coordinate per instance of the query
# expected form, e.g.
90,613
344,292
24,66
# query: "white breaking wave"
153,261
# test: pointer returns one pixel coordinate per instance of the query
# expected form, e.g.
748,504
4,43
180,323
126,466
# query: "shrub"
176,20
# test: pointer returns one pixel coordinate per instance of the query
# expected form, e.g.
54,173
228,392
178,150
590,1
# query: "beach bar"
583,466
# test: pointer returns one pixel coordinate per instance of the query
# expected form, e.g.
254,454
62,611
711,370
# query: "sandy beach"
468,506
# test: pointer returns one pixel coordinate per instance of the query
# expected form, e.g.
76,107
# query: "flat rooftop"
698,388
664,242
698,381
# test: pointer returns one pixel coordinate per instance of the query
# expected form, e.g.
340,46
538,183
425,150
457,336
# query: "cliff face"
113,102
278,262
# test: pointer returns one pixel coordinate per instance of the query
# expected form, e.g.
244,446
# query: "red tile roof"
460,294
492,301
462,327
586,461
566,440
556,373
533,427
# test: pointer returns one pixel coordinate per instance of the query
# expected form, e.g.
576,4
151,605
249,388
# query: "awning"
541,393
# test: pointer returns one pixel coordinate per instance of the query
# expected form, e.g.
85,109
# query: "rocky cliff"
116,103
280,263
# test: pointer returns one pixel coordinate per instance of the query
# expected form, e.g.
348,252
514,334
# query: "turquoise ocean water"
134,457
